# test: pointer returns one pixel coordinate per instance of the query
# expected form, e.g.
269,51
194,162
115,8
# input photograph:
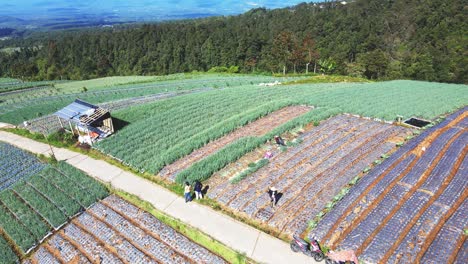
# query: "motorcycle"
312,250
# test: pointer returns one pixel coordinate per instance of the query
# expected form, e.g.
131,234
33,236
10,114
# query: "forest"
375,39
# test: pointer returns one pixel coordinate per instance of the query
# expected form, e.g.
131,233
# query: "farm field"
309,175
32,103
256,128
149,142
13,86
37,198
115,231
413,208
16,165
49,124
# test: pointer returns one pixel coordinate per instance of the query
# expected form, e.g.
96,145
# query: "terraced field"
37,199
50,123
257,128
32,103
310,175
413,208
163,132
16,165
115,231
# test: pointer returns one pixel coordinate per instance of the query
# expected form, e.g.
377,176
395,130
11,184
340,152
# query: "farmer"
187,192
279,141
198,190
272,192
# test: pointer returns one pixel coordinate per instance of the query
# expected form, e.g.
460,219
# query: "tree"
312,55
327,65
282,49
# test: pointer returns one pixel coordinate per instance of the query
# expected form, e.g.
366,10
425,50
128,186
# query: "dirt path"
256,128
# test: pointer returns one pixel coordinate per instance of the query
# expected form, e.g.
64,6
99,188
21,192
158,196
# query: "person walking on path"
272,192
198,190
187,192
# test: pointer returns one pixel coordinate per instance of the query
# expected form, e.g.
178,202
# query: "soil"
256,128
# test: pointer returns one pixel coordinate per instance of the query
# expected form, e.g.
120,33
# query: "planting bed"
49,124
31,103
115,231
310,174
256,128
33,206
16,165
413,207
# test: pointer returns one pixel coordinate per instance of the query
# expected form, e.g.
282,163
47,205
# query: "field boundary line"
407,195
323,173
111,249
54,253
146,230
430,138
435,231
433,198
276,168
138,247
353,163
77,246
279,166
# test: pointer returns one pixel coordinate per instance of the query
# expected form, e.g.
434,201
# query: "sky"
133,9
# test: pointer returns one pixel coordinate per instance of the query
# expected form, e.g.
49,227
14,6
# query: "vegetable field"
413,208
32,103
16,165
115,231
34,206
310,175
256,128
162,132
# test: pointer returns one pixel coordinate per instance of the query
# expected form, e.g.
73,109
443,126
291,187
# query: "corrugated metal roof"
76,109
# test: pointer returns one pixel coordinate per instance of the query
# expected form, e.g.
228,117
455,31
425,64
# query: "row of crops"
33,103
115,231
50,123
162,132
16,165
309,175
256,128
34,206
7,86
413,207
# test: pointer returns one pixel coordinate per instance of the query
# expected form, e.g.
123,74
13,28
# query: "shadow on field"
119,123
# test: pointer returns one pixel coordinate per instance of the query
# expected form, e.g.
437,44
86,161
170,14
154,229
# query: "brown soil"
108,247
347,227
256,128
78,247
433,198
147,231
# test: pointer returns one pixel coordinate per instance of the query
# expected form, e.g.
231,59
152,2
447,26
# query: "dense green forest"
377,39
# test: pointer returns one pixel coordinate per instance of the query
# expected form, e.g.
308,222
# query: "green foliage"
18,107
32,208
327,65
363,38
15,230
256,166
203,169
7,255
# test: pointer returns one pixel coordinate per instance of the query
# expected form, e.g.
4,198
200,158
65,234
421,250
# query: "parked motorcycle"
311,250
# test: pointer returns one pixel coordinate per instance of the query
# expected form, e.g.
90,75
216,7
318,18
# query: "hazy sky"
133,8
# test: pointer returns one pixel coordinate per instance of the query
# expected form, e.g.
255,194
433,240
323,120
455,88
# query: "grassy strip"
193,234
327,79
203,169
255,167
58,139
